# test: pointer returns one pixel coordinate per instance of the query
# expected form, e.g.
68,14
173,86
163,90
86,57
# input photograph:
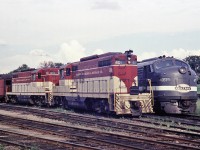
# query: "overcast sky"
32,31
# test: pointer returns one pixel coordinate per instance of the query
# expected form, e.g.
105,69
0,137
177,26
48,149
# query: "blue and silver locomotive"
173,82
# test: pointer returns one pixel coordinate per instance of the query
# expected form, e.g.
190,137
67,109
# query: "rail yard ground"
31,128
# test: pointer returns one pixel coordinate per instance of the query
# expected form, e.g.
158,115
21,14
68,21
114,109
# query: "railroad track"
77,135
184,122
148,135
178,122
153,120
193,117
117,140
25,140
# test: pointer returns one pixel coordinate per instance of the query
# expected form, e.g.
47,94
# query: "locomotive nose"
182,70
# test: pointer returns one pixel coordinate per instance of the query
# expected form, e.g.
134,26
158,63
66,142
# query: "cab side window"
61,74
151,68
148,68
39,75
68,71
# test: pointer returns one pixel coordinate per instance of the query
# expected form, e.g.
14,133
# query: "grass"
1,147
198,88
34,148
198,107
198,101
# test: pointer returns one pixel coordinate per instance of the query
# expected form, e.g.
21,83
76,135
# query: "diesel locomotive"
106,83
103,83
33,86
174,84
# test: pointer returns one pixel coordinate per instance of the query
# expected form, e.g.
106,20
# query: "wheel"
64,103
38,102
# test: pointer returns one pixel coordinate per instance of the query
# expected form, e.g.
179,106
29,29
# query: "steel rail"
64,143
136,138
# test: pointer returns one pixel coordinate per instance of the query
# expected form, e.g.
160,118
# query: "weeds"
1,147
59,109
198,107
34,148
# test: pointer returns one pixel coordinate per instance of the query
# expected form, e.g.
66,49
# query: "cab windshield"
181,63
168,63
163,64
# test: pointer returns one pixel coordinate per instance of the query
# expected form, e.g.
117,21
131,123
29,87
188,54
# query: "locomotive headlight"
182,70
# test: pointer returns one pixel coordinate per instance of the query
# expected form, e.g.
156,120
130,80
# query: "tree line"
194,62
45,64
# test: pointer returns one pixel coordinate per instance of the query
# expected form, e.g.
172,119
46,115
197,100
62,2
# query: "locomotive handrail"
151,91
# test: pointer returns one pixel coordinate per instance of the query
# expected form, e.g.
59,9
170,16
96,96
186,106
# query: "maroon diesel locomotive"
30,86
103,83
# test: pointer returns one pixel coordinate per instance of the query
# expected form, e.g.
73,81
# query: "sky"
34,31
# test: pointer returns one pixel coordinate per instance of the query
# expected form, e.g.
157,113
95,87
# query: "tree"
23,67
50,64
58,65
194,62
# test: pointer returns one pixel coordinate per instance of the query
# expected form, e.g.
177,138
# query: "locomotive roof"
152,60
157,58
99,56
5,76
91,57
36,70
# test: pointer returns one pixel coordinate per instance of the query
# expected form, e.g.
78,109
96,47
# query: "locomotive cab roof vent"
160,57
